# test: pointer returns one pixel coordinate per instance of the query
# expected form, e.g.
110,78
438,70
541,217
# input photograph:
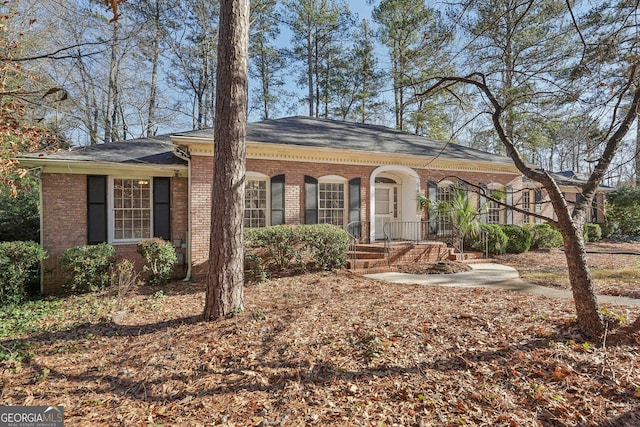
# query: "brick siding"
64,222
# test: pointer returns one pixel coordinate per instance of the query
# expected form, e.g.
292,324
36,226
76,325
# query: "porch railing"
425,231
358,234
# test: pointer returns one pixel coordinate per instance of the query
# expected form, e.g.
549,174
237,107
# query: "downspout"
182,154
37,174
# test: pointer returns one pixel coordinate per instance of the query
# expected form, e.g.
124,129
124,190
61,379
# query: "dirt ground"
614,267
331,349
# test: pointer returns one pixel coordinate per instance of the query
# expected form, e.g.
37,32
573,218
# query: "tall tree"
547,74
193,59
267,61
23,94
225,280
510,37
617,19
358,80
151,15
317,28
416,40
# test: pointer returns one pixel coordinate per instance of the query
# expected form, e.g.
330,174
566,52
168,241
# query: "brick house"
300,170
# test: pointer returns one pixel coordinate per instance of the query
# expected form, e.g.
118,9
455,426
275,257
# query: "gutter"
182,154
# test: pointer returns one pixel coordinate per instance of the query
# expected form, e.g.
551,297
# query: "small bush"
19,262
254,270
304,247
608,229
518,239
623,210
19,215
160,257
545,236
492,235
124,279
89,266
327,245
280,243
592,232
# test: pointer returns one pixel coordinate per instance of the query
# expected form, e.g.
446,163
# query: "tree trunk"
637,157
111,94
225,280
588,315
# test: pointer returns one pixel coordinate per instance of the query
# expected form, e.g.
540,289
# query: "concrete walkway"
494,276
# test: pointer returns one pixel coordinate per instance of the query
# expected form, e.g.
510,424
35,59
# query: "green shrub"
608,229
326,245
592,232
19,265
254,269
304,247
496,238
545,236
280,244
19,215
89,266
160,257
491,235
623,210
518,239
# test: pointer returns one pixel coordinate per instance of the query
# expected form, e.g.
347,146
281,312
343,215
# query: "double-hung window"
445,193
131,209
526,206
494,209
255,203
331,203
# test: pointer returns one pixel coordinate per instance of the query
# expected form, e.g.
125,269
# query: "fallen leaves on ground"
614,267
334,349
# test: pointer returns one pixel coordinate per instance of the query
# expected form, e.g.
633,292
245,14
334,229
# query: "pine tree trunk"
225,280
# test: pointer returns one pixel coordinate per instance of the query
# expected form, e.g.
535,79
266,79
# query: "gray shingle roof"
155,151
299,130
321,133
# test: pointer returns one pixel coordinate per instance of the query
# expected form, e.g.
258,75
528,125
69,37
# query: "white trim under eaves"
104,168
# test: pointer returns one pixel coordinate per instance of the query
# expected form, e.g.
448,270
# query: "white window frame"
444,225
256,176
111,222
494,208
526,206
335,179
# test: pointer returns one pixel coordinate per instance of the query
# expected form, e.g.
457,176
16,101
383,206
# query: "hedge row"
283,248
498,239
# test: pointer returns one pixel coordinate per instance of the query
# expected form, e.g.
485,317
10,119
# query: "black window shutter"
162,207
354,199
354,208
277,200
96,209
310,200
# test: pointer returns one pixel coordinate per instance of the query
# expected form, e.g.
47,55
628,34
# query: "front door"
386,207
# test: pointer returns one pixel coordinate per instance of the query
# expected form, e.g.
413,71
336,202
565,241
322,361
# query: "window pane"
255,198
331,203
131,209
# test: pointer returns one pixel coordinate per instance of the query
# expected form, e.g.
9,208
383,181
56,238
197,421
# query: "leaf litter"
334,349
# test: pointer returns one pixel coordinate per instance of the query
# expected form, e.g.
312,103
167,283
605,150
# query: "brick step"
370,248
367,264
369,255
468,256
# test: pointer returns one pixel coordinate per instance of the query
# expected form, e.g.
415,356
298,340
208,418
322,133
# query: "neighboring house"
300,170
